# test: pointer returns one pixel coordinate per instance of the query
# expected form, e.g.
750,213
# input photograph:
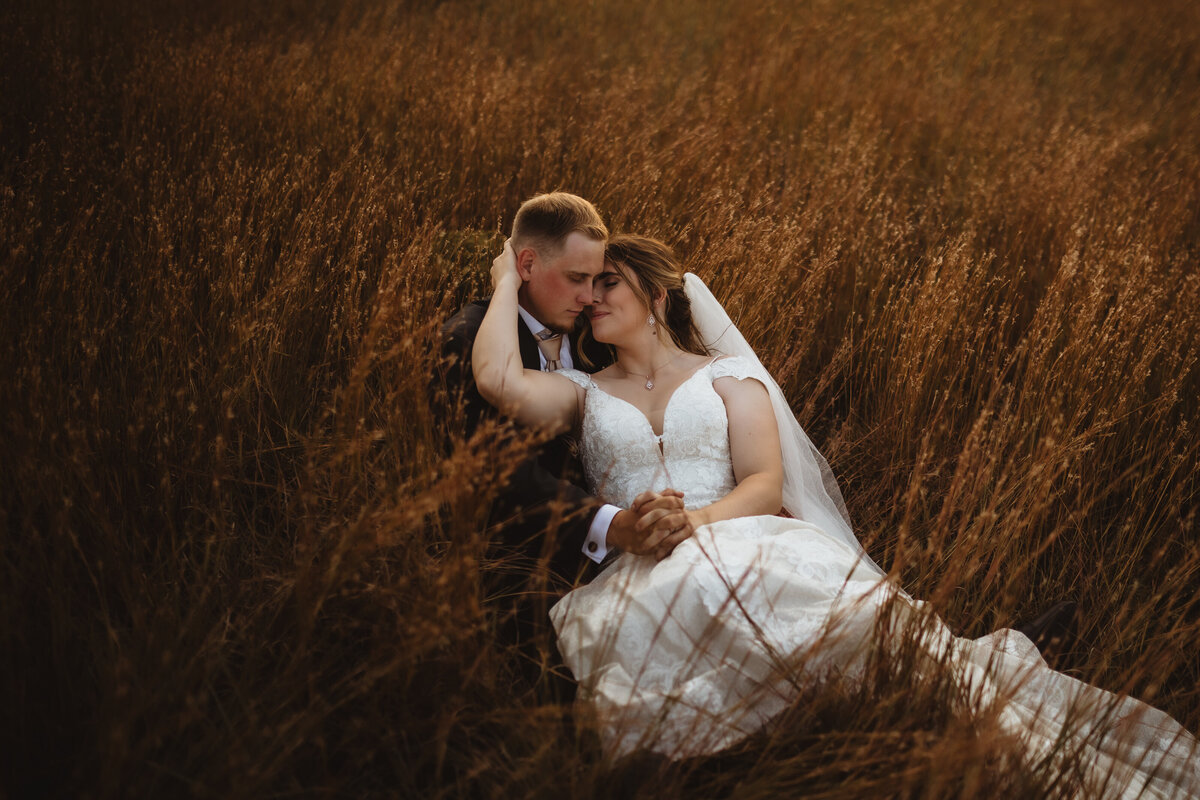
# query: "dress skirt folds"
690,655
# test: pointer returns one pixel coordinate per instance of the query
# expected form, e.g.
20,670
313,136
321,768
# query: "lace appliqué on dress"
623,457
686,656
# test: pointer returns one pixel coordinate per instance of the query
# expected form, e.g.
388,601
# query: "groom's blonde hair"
544,221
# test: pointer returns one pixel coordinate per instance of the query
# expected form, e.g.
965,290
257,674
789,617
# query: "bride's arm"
757,465
530,396
754,447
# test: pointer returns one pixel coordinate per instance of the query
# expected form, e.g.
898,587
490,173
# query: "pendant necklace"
650,378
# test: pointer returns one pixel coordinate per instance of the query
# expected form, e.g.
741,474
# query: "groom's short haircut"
546,220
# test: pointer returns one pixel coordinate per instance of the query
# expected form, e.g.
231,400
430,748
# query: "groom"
550,521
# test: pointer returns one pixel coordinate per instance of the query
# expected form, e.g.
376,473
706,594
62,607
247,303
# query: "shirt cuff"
595,546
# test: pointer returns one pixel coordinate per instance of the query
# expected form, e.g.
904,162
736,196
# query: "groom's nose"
586,293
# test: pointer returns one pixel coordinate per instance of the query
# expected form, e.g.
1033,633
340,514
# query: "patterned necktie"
550,343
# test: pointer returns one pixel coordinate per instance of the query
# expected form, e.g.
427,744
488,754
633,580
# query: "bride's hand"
633,530
504,267
663,522
675,528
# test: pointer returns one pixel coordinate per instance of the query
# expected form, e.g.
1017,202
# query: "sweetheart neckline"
666,409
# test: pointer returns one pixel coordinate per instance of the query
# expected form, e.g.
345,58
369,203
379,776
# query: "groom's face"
558,281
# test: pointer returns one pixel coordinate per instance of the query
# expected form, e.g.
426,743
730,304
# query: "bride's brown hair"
657,273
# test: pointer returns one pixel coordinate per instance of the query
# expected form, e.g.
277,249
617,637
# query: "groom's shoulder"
466,321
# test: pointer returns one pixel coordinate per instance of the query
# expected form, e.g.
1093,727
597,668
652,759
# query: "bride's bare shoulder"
607,374
690,362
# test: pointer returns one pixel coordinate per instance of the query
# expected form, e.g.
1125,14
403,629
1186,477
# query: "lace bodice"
623,457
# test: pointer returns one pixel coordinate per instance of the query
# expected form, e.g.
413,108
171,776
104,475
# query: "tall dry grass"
238,560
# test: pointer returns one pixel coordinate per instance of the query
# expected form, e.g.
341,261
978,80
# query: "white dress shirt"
595,546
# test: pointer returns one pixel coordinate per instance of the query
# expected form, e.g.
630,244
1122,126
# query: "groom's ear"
525,258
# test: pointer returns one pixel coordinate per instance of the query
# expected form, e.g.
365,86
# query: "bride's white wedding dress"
691,654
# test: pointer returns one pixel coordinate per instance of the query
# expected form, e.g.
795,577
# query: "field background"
237,560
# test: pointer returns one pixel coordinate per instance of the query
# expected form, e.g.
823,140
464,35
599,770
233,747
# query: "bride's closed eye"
605,283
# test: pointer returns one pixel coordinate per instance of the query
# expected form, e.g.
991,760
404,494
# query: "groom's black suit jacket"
545,514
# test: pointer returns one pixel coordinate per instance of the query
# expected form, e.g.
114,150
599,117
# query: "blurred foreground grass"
237,559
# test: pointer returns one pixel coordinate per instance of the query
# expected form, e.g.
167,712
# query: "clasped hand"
655,524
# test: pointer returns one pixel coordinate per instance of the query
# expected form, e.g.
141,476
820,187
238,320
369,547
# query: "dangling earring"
650,322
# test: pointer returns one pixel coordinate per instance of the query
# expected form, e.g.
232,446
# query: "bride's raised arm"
532,397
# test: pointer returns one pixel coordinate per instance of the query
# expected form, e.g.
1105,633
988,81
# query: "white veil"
810,492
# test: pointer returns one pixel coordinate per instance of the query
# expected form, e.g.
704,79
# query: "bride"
759,581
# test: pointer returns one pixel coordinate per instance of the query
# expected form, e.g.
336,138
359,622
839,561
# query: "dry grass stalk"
239,560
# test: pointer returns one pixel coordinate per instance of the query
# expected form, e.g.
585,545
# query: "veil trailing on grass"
810,492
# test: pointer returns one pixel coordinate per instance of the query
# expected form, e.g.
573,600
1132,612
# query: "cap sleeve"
575,376
734,367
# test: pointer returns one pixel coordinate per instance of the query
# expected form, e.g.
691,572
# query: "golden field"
238,560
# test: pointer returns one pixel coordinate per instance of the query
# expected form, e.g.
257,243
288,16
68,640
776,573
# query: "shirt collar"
534,326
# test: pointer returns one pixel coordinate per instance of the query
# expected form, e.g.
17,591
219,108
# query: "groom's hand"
630,530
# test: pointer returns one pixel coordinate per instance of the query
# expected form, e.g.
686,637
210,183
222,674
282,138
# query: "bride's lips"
595,315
